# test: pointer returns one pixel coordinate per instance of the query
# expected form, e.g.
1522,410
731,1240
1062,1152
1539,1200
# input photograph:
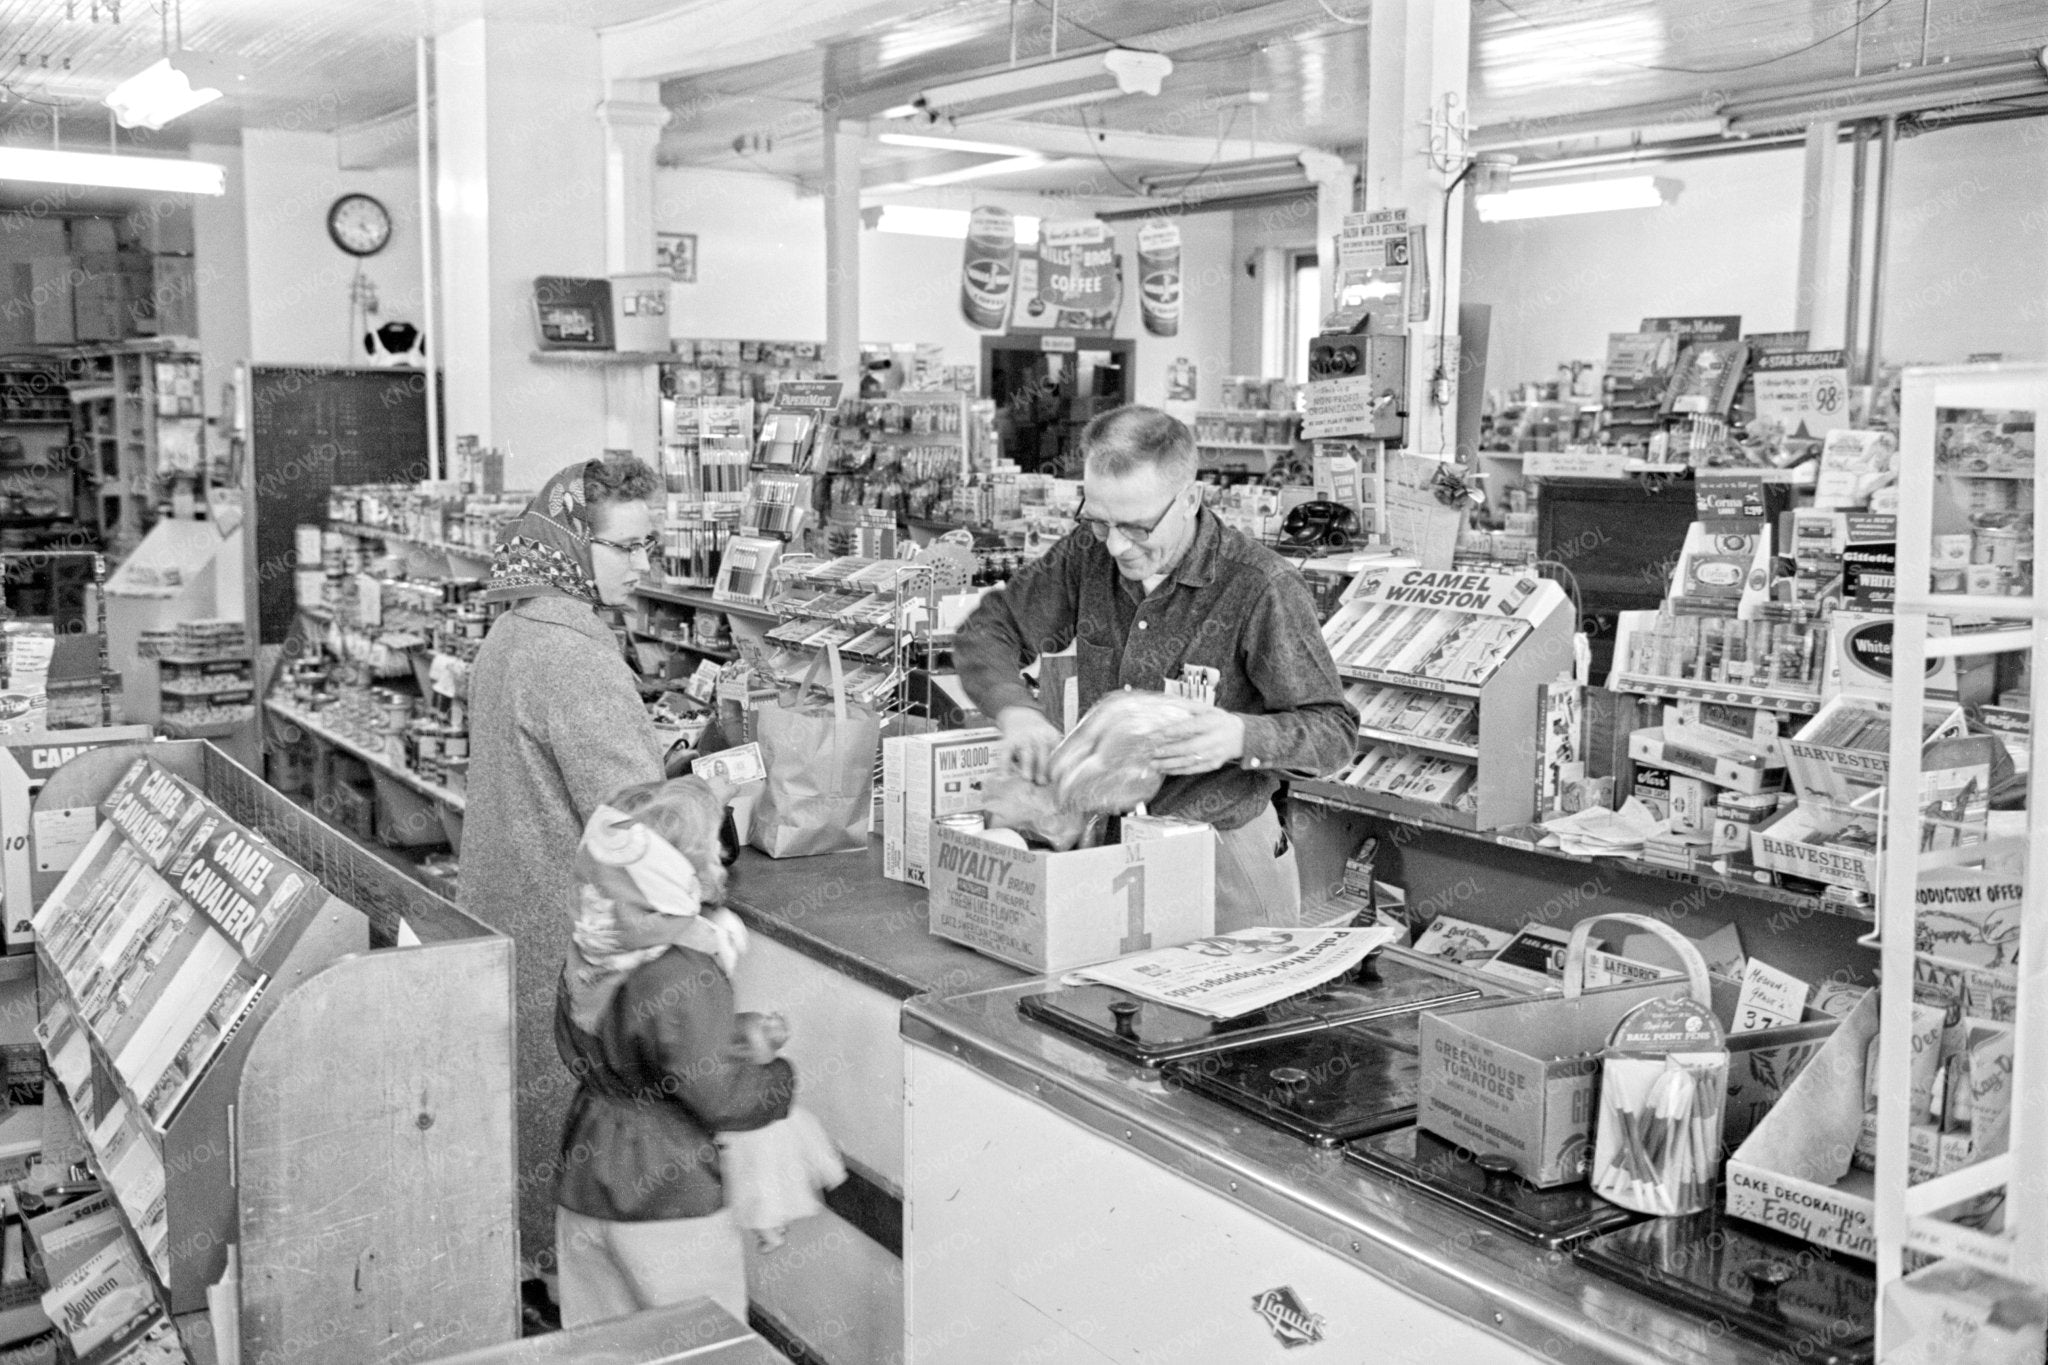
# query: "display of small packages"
1827,840
100,1295
1796,1171
931,778
55,836
1663,1080
1519,1077
1443,660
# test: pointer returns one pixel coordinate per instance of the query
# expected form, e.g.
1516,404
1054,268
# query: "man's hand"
1028,741
1202,743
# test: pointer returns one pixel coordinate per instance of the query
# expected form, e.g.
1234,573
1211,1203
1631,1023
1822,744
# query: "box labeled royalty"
1047,912
924,778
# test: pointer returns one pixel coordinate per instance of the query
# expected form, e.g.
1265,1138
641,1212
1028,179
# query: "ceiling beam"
714,35
1279,21
1055,139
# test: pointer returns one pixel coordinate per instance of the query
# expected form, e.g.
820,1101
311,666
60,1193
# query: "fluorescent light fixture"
162,91
1029,161
950,144
1583,196
1243,177
914,220
1058,83
112,172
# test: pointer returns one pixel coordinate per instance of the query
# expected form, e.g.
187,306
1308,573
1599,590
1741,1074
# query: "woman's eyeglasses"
1133,531
649,545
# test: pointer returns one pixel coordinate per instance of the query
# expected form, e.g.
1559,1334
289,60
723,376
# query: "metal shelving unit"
1905,1221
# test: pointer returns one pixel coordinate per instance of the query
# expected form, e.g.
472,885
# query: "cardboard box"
1694,755
39,847
51,282
1844,774
1521,1078
1048,912
1793,1174
924,777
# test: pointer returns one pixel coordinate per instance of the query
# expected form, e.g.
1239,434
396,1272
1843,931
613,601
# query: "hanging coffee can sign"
988,271
1077,265
1159,277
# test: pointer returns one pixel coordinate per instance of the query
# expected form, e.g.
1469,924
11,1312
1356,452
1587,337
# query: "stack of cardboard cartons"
928,777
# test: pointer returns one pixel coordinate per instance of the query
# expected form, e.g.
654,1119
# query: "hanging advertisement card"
1159,277
1077,264
988,268
1372,273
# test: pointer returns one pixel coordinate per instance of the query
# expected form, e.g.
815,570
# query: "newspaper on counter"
1228,975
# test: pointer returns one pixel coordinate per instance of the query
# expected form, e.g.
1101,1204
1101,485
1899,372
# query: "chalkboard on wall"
312,429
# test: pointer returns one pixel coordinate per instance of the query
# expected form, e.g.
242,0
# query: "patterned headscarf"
546,548
622,861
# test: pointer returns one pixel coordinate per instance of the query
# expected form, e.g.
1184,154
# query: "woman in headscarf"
556,726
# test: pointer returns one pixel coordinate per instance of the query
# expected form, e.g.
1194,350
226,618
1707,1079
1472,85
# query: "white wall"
1968,255
760,255
298,296
761,273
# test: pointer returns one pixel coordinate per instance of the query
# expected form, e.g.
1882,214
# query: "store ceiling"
311,64
1250,76
1294,71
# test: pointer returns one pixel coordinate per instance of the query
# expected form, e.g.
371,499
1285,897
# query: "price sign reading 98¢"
1806,391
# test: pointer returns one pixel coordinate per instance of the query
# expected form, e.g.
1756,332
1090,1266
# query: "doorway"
1047,388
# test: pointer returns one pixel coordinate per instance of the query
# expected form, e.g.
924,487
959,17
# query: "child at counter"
645,1022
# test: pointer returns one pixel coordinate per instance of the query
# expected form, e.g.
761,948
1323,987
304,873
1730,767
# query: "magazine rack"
1502,752
352,1139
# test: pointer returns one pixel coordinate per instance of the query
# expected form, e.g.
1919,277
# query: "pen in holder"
1663,1083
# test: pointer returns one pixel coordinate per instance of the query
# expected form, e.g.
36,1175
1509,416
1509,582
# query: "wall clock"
359,224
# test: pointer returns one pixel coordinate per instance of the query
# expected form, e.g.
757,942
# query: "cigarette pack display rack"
228,1018
1907,1211
1444,668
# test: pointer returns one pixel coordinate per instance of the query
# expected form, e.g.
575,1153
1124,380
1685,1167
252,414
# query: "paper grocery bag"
820,757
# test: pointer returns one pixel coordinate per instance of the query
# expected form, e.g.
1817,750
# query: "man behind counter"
1152,589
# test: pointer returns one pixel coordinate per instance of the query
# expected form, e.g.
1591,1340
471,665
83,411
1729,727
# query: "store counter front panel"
1066,1203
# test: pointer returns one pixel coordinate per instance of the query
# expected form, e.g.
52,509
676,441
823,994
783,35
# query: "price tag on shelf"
1769,998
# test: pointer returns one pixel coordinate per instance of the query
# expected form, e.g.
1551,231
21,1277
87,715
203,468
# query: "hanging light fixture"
162,91
160,174
1583,196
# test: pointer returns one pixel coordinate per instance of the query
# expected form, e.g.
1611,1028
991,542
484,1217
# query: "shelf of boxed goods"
1798,703
474,563
1906,1213
1758,886
285,711
685,595
678,642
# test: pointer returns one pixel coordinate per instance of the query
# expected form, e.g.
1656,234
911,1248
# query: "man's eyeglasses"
1133,531
649,545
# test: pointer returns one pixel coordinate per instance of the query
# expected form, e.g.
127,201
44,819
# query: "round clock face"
359,224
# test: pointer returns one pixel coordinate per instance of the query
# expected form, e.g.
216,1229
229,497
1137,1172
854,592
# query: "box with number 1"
1047,912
